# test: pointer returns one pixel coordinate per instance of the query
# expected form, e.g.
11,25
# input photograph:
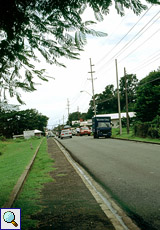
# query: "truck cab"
101,126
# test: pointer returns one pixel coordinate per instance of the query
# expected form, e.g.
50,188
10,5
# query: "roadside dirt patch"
68,204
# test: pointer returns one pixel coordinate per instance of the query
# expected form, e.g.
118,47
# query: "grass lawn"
15,155
130,136
29,197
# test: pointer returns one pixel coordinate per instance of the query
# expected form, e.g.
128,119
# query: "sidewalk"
69,205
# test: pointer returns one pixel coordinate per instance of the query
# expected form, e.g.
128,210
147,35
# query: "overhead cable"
128,44
140,45
126,34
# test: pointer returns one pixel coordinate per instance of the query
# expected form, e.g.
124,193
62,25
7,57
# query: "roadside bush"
147,129
124,121
141,129
2,138
154,132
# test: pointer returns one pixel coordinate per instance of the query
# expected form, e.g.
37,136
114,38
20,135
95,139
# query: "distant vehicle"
65,133
50,134
85,131
58,134
101,126
73,132
67,127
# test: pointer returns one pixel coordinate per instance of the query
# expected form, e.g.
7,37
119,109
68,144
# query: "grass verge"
130,136
15,156
29,199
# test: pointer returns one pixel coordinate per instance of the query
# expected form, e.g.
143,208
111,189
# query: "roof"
37,131
116,115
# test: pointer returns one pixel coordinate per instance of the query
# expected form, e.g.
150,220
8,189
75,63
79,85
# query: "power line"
122,50
111,36
150,81
125,35
140,45
145,62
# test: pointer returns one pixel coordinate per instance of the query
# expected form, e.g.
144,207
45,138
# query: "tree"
14,122
106,102
132,82
147,105
47,27
74,117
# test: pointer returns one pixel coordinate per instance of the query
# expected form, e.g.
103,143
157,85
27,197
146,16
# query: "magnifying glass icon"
9,217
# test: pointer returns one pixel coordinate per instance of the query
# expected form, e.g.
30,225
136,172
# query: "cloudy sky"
132,40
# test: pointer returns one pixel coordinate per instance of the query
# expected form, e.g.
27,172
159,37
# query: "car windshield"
65,130
103,124
84,128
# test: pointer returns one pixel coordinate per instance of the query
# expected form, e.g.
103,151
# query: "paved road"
130,171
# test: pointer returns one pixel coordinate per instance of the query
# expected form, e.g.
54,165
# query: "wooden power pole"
92,80
126,89
119,108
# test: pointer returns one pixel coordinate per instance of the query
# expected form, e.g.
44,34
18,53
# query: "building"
115,117
31,133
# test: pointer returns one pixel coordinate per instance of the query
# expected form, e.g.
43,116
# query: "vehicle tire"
61,137
71,137
95,136
89,134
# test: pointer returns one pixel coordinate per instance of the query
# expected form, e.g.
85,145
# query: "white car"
66,133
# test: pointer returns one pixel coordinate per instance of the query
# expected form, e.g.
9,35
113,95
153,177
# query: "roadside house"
115,117
31,133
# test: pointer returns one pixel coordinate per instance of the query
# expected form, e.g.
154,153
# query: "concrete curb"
21,180
123,139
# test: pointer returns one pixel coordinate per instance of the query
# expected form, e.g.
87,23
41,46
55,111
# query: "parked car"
66,133
85,131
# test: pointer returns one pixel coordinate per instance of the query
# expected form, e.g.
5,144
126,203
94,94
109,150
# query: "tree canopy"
131,83
106,102
15,122
147,105
51,27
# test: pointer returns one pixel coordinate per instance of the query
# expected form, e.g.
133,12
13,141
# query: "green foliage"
148,129
124,121
131,136
147,105
15,122
76,116
52,28
2,138
107,100
141,129
131,84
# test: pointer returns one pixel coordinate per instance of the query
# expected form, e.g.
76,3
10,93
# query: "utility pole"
92,80
63,120
78,112
68,108
119,108
126,100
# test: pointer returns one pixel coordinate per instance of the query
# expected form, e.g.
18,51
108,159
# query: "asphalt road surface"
129,171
